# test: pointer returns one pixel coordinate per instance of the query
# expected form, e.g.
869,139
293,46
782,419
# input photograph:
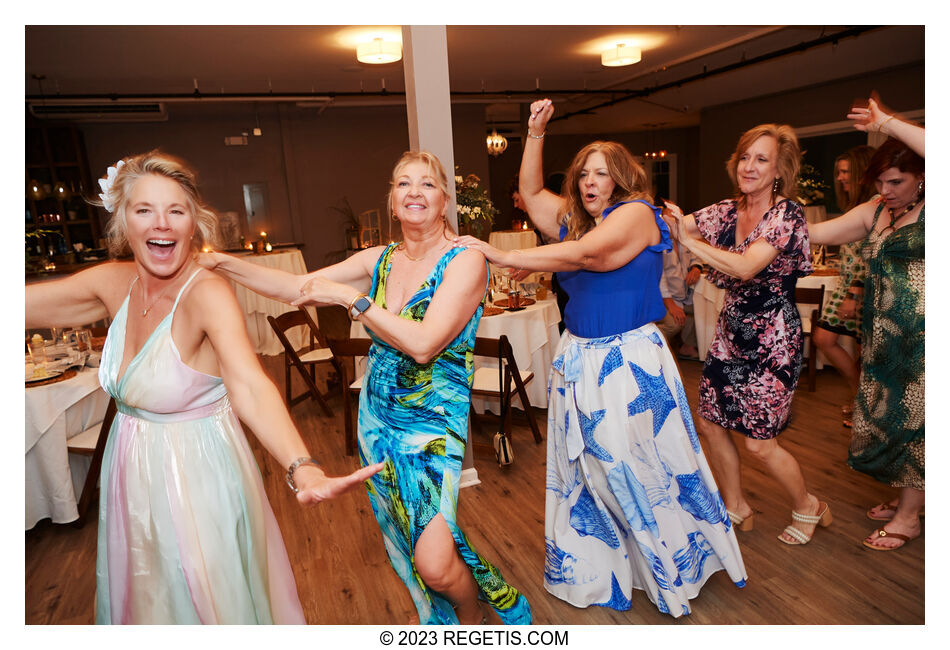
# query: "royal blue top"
604,303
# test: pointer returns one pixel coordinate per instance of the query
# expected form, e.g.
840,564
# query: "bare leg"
906,520
843,362
724,459
783,466
440,567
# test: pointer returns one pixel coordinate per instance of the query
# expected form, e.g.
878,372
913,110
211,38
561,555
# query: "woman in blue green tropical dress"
420,300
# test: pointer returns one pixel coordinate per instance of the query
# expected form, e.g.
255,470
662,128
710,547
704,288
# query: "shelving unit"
57,184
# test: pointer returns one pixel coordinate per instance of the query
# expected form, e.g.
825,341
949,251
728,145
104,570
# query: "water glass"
37,354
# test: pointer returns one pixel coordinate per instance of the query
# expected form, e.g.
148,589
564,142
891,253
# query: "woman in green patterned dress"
841,315
420,300
887,440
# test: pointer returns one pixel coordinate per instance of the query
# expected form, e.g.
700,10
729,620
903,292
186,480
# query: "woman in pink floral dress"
757,245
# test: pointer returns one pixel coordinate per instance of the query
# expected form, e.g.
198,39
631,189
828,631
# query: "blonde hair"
788,163
156,163
629,180
434,169
858,191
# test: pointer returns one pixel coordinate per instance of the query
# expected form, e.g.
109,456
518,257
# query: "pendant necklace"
894,219
146,310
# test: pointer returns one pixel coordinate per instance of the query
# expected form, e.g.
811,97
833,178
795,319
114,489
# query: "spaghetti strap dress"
186,534
414,417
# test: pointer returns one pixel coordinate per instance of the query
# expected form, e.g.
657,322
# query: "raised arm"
874,120
212,308
284,286
79,299
612,243
462,289
543,206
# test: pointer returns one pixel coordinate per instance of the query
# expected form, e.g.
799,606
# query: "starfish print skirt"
630,501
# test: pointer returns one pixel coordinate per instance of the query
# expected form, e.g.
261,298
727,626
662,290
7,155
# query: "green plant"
811,186
473,202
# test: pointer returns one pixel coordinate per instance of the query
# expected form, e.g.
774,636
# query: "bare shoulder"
468,267
208,287
109,281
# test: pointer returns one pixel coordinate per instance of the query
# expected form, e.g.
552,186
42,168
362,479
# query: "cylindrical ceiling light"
496,143
378,51
621,54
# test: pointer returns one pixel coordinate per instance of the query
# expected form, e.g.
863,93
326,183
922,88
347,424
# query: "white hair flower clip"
106,185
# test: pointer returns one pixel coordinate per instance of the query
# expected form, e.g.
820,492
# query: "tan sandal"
745,524
823,519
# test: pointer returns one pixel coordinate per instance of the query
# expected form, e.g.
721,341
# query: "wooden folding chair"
490,382
91,442
306,359
343,349
809,296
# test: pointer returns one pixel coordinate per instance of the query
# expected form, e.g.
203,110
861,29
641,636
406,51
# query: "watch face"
362,304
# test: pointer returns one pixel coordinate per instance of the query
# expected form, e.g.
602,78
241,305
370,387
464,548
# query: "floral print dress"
754,361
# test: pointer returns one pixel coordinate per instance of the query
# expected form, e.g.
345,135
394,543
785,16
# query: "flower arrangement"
474,206
811,186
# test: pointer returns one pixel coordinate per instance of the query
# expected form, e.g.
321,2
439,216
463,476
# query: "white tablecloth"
53,414
509,240
534,337
257,307
707,303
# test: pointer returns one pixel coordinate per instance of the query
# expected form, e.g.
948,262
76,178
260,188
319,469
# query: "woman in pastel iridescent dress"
630,501
887,441
420,300
757,246
186,534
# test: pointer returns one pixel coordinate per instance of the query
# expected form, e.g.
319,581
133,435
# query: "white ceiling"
562,61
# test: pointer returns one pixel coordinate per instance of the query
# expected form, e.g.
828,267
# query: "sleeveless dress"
186,534
755,358
887,441
852,272
630,501
415,418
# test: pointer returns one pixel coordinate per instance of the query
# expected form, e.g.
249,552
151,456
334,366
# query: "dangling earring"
920,189
394,217
775,185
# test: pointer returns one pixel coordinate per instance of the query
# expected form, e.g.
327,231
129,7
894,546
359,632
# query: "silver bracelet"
293,468
536,137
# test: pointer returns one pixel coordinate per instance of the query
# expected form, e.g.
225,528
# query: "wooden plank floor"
343,575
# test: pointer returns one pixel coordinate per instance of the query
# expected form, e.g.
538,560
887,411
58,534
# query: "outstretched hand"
868,119
491,253
314,486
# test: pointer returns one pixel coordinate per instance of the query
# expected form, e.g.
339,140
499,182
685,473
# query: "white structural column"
429,109
428,102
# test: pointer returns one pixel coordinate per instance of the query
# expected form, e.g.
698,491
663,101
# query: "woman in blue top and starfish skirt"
630,500
420,300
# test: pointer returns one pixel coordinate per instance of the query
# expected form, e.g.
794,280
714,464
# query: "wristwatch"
293,468
360,305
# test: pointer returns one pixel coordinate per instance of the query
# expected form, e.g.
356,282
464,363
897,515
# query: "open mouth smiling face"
160,224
